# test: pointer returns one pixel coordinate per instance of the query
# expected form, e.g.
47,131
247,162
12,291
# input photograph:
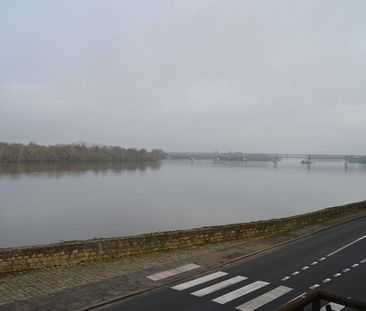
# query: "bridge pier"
307,161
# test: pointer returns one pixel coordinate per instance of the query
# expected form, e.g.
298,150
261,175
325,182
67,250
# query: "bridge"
267,157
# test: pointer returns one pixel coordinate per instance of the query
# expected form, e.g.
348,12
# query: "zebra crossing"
239,293
264,299
200,280
172,272
233,295
218,286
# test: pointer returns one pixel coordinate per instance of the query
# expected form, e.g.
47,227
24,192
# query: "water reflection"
116,199
57,170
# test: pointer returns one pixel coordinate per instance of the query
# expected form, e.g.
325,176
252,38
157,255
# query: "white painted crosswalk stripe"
171,272
264,299
335,307
218,286
240,292
200,280
301,295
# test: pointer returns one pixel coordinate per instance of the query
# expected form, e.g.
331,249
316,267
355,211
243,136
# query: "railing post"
315,306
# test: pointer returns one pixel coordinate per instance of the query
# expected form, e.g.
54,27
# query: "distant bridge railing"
315,299
267,157
228,156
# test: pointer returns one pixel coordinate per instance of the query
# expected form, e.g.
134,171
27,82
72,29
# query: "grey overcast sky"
185,75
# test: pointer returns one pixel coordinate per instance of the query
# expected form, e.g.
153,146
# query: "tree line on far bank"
21,153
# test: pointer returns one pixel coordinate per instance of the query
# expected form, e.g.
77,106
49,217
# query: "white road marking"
240,292
200,280
186,268
305,268
285,278
345,270
314,263
327,280
337,275
218,286
321,259
171,272
295,273
297,296
355,265
264,299
335,307
363,260
345,246
314,286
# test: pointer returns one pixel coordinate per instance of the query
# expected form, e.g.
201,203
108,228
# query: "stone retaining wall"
75,252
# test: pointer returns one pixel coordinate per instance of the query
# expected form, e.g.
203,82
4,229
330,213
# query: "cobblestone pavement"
28,284
73,288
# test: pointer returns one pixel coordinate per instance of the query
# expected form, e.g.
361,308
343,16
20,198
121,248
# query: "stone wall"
75,252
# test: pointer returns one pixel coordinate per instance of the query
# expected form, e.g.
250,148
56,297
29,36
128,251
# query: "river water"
57,202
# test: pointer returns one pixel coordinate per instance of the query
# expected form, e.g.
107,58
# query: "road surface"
333,260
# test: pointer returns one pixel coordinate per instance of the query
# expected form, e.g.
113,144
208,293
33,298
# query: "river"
43,203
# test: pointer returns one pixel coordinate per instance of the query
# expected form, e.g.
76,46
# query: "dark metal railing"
315,298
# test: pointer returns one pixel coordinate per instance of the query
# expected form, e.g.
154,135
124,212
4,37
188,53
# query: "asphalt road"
333,260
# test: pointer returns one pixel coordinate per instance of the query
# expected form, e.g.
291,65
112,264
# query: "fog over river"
43,203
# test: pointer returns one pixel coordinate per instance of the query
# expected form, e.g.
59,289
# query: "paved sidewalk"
29,284
74,288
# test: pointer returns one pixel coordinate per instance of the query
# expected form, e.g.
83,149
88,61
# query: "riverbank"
71,153
87,284
77,252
